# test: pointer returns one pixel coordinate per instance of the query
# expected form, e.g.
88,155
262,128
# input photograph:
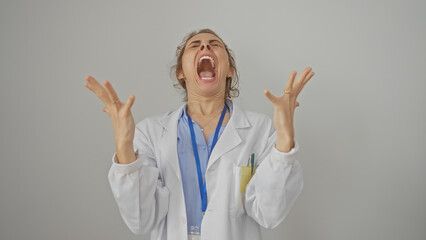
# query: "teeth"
207,57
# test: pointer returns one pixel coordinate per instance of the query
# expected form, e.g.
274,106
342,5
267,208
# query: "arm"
134,178
278,179
275,186
138,188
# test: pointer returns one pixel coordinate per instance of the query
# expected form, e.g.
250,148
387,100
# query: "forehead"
203,37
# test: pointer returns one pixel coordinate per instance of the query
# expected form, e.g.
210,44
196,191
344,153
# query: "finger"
302,76
270,96
304,81
111,92
97,89
297,104
310,75
129,102
289,85
305,73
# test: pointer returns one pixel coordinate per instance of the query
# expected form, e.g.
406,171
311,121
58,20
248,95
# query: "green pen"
252,163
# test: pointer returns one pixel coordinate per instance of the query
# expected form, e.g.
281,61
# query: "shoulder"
261,123
158,122
258,118
152,120
254,118
253,125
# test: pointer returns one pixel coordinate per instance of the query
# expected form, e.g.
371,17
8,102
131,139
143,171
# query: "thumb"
270,96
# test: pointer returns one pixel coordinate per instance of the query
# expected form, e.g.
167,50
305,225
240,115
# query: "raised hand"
121,116
284,106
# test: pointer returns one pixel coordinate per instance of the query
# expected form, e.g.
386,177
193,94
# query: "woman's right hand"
121,116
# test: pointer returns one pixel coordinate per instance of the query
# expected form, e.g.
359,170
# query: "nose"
206,46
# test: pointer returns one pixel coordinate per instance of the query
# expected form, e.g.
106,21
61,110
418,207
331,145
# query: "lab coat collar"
230,137
228,140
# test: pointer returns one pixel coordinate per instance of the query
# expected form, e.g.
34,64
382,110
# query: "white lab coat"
149,191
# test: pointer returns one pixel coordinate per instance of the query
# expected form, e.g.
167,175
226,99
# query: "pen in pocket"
247,173
252,163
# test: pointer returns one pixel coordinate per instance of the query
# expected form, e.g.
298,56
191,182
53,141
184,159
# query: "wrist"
284,145
287,136
123,144
124,149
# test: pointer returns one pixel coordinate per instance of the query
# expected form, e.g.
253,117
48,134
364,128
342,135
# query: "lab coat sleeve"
275,185
138,189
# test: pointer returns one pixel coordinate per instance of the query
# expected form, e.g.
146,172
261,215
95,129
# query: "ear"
230,72
180,75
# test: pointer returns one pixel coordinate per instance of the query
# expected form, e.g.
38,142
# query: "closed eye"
215,43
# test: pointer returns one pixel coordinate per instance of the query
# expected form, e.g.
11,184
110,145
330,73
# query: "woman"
207,170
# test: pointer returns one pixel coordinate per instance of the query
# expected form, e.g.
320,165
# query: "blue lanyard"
201,183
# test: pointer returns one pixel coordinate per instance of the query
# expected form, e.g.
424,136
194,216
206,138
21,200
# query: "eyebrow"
214,40
199,41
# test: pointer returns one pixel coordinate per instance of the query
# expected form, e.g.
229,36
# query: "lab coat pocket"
242,176
238,198
246,175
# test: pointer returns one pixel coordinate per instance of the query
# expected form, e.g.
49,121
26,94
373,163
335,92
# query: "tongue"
206,74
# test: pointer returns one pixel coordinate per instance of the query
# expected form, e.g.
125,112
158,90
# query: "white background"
361,123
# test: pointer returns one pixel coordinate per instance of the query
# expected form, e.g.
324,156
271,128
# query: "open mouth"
206,68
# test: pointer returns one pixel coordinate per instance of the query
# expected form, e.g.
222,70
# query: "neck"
205,106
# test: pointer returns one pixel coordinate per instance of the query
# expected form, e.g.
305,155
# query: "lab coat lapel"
229,138
168,141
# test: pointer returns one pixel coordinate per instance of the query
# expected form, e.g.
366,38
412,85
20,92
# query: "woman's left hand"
284,106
